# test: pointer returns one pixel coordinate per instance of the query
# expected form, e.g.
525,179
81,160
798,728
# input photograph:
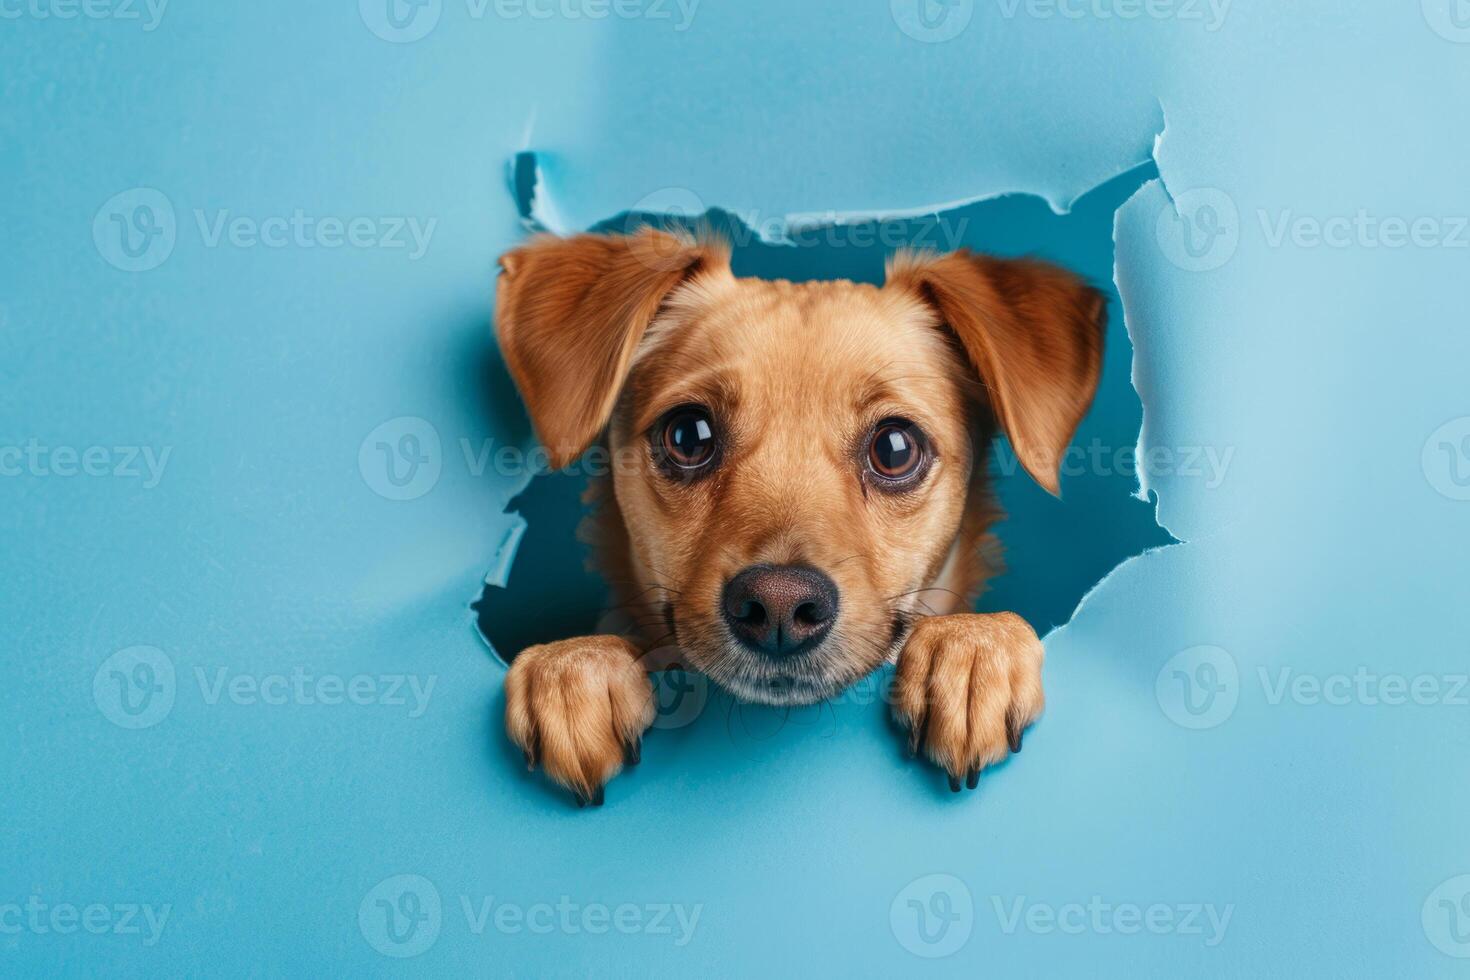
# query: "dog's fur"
604,335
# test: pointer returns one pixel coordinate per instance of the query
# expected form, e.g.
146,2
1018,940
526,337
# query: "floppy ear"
1034,334
570,313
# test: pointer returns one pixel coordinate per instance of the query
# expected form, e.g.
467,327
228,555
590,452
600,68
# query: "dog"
799,489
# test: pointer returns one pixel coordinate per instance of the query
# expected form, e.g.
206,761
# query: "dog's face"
792,462
798,459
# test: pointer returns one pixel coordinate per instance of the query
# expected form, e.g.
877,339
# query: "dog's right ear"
1032,331
570,313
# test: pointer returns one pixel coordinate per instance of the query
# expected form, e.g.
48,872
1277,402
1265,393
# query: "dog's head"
793,461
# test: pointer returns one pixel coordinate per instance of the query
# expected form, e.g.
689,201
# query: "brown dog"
799,490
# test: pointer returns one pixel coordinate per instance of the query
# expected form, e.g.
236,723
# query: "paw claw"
917,735
1014,732
971,683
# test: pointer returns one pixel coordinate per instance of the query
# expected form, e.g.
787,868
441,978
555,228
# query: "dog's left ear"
570,314
1034,334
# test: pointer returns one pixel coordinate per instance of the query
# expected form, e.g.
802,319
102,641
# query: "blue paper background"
1334,371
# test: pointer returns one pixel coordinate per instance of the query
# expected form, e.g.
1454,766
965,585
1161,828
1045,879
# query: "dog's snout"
780,609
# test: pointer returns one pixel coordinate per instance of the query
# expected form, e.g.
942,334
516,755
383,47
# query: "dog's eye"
687,438
896,450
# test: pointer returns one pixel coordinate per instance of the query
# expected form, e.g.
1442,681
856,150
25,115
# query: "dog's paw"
579,708
966,688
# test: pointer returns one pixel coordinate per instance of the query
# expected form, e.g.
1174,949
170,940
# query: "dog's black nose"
780,609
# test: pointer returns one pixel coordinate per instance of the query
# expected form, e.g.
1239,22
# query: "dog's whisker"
644,592
635,595
639,628
637,610
904,595
661,574
651,624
